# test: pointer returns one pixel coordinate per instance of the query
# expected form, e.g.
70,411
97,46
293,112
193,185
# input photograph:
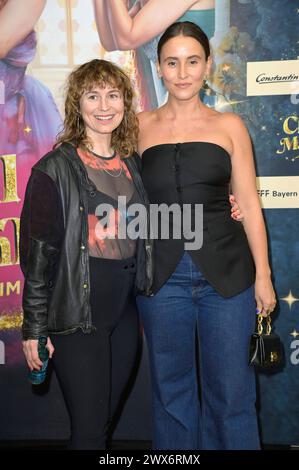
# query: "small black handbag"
265,349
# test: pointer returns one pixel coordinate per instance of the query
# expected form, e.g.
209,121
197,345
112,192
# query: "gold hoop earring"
205,83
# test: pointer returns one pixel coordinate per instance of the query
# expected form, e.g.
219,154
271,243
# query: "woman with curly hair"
79,278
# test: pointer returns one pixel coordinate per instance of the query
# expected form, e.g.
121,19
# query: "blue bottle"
37,377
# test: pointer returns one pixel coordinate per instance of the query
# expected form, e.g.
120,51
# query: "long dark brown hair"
84,78
188,29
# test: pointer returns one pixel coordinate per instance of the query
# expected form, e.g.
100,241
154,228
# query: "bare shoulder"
145,118
147,121
234,127
239,136
232,122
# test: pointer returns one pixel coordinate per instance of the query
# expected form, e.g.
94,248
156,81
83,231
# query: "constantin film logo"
278,77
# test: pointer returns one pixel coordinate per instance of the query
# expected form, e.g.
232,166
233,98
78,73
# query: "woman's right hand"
30,348
264,295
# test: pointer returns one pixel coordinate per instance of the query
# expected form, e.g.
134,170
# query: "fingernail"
257,310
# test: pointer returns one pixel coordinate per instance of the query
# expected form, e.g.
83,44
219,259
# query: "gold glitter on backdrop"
11,320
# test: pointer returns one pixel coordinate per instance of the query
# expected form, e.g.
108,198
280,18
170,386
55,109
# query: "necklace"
108,158
102,156
115,176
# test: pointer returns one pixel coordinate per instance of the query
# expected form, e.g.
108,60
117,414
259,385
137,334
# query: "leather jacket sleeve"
41,233
144,254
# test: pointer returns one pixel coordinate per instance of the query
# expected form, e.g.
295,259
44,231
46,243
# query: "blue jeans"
203,389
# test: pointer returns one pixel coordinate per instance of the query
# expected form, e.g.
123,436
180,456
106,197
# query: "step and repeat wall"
255,74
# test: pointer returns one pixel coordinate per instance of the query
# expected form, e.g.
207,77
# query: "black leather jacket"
56,288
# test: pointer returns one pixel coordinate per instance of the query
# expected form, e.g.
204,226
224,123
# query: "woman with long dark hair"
123,28
200,317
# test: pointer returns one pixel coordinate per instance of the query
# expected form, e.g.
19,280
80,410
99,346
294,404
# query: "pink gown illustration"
30,122
29,117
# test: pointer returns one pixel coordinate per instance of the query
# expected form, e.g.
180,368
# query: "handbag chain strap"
260,327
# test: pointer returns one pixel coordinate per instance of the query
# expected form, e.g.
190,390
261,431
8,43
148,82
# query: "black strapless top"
199,173
188,173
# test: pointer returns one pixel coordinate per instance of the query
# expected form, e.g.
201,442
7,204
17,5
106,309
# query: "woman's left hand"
236,213
264,296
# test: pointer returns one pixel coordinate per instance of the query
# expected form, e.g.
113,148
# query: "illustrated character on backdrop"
124,24
30,122
29,117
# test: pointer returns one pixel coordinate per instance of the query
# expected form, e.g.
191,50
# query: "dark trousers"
93,369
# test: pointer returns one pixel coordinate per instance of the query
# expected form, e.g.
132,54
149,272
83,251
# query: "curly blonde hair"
84,78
